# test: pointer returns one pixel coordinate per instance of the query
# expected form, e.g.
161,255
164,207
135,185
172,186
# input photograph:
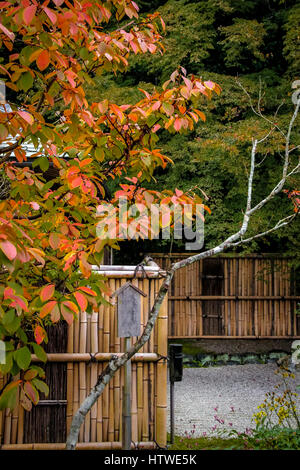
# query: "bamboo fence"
234,297
91,340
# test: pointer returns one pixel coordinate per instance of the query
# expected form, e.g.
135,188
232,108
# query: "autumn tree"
49,241
58,153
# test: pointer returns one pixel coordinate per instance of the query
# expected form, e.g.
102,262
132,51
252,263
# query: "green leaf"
39,352
42,162
8,398
14,325
8,317
40,371
26,81
5,368
23,357
41,386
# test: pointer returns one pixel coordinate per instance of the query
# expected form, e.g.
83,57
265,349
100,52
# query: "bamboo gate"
234,297
77,354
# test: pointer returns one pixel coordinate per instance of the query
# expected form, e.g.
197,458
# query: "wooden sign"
129,310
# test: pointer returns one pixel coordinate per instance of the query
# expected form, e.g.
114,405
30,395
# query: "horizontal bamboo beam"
131,274
79,446
221,255
125,268
99,357
233,337
234,297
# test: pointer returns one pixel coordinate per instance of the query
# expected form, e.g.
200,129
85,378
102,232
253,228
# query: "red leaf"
29,13
51,15
31,392
177,124
81,300
47,292
39,334
43,60
8,249
68,316
26,116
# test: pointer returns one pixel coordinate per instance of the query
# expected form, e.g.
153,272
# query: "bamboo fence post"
1,412
7,427
82,373
117,390
105,395
94,372
70,377
14,419
161,378
140,399
111,419
99,369
134,410
20,436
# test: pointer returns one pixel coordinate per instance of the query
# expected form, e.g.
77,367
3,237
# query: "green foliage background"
257,41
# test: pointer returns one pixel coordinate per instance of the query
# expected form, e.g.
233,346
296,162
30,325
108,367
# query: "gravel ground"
231,393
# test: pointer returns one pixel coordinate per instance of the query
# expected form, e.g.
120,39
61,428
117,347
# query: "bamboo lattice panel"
70,380
233,296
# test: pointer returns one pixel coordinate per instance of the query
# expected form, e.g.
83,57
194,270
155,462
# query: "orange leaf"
39,334
87,290
47,292
43,60
81,300
47,308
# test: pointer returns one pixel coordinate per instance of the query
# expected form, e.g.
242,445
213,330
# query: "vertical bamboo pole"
82,373
100,369
255,292
146,400
1,412
105,394
117,378
161,405
94,372
111,420
14,420
290,330
276,310
76,366
7,427
225,319
134,410
20,436
70,377
140,398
